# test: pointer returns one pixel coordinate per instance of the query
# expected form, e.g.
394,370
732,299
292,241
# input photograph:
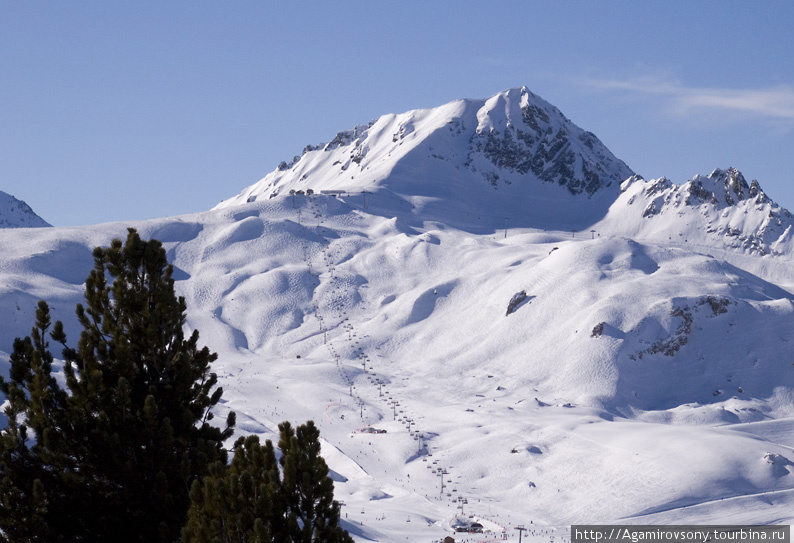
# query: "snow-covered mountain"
720,209
512,157
542,346
515,160
17,214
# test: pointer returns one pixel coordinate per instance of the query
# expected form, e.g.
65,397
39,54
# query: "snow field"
357,320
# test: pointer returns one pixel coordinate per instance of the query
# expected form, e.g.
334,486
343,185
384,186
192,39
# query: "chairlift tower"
462,501
521,531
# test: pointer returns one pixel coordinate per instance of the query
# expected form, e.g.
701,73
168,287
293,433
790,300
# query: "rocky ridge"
534,137
15,213
723,205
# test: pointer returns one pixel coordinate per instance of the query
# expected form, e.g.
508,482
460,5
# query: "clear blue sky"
132,110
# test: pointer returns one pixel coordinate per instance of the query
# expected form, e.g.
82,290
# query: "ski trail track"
375,402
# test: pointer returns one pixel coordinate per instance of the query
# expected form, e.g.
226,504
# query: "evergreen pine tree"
112,456
242,503
32,400
249,503
312,513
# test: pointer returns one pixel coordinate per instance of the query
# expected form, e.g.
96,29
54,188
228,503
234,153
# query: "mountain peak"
15,213
500,156
520,132
720,188
719,207
730,186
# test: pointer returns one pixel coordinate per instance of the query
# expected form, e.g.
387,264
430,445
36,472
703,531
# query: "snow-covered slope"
511,158
17,214
626,361
720,209
611,352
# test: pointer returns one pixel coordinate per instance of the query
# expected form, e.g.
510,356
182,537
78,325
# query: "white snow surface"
322,311
646,376
15,213
513,150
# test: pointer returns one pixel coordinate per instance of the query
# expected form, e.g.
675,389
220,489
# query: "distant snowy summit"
515,160
494,156
520,134
15,213
719,206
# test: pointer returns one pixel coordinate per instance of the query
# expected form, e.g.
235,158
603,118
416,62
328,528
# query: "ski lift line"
359,353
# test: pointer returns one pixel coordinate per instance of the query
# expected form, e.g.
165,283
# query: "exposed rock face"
535,137
723,187
517,299
723,203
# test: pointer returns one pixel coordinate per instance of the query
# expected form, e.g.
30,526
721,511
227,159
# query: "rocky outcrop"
538,139
723,204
